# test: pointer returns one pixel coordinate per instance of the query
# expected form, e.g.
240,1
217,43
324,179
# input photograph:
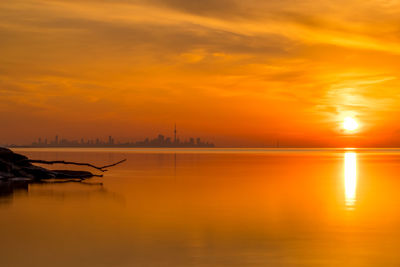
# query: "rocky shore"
17,167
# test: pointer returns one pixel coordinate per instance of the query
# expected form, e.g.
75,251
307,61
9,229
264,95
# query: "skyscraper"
110,140
175,134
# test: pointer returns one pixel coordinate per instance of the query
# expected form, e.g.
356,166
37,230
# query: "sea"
208,207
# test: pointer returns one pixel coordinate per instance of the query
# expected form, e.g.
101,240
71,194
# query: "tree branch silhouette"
100,168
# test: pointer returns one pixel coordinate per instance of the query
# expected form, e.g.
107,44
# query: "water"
204,207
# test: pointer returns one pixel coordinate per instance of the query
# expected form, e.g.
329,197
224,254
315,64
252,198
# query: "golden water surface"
222,207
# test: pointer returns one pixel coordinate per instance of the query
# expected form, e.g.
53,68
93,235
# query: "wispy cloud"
154,62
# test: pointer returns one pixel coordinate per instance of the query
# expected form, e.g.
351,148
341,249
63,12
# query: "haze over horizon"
235,73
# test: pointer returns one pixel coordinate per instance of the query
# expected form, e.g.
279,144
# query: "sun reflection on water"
350,179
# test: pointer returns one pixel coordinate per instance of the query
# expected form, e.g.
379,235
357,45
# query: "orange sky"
238,73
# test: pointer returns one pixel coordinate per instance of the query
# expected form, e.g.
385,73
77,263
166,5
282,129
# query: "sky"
237,73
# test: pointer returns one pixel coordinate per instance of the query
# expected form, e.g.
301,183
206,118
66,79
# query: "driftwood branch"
100,168
112,165
17,172
81,181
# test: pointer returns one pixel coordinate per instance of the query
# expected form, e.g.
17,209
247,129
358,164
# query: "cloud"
145,60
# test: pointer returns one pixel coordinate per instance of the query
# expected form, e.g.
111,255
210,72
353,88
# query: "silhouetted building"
175,134
160,141
110,140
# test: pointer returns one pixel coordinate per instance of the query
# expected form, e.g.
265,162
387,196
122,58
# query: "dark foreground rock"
17,167
17,172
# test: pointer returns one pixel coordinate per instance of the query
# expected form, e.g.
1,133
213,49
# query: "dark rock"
8,156
5,166
5,150
14,165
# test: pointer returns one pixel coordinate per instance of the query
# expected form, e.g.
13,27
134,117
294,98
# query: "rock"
5,150
8,156
19,179
5,167
13,165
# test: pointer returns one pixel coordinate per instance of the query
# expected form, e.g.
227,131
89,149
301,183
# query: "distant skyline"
274,141
240,73
159,141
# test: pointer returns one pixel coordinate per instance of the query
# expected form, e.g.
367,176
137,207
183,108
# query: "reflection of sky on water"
350,179
64,189
207,209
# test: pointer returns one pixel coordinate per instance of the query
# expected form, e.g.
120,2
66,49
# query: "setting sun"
199,133
350,124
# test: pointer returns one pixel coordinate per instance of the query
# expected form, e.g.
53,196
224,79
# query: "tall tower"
175,134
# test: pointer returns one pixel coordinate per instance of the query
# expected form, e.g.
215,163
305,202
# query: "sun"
350,124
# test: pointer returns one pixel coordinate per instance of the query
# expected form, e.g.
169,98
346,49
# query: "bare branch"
112,165
81,181
103,168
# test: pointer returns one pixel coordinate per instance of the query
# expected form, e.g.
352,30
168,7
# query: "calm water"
210,208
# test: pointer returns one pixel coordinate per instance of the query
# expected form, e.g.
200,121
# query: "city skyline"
159,141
